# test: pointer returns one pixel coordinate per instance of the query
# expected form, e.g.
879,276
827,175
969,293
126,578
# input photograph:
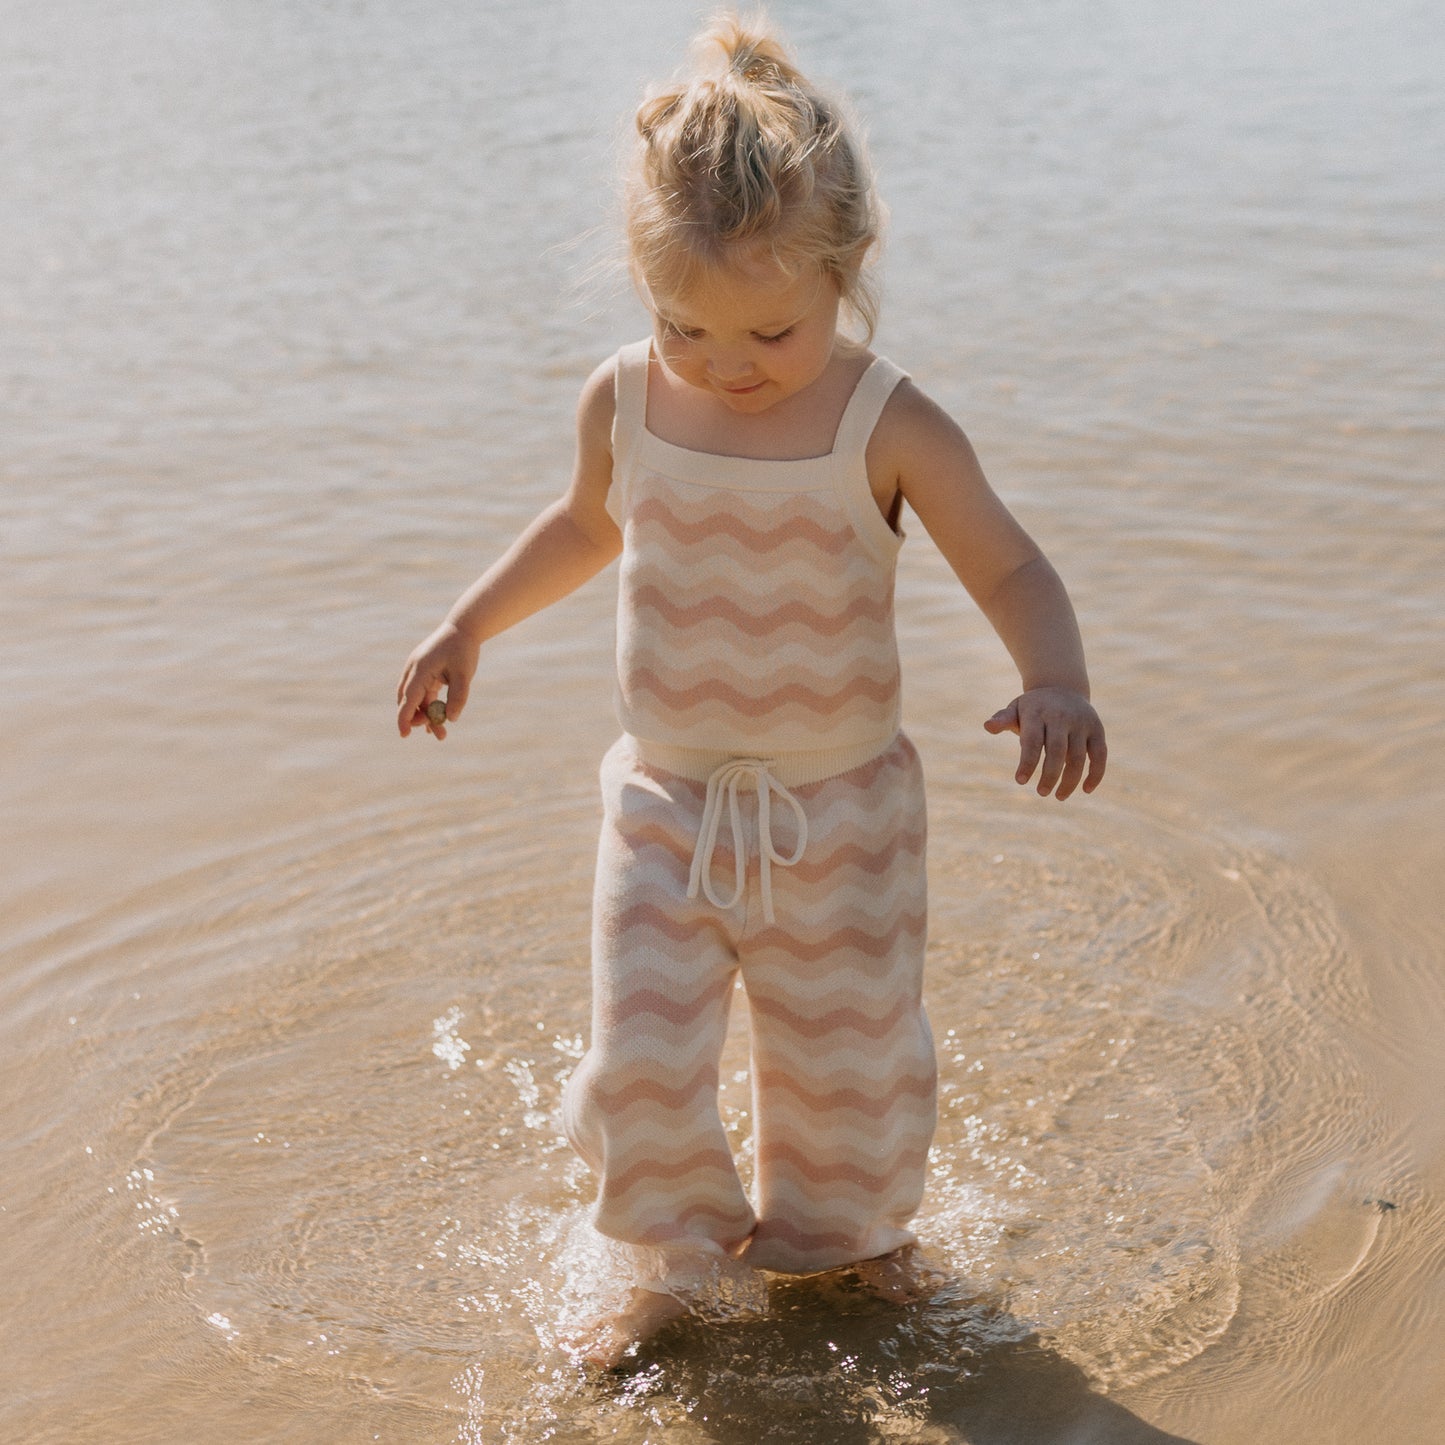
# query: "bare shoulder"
913,425
933,466
917,446
592,473
597,405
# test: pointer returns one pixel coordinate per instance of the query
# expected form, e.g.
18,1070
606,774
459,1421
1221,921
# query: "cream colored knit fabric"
764,819
755,609
843,1070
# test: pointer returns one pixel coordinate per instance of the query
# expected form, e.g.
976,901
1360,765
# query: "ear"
850,264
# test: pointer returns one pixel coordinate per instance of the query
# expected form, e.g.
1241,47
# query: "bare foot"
904,1277
608,1338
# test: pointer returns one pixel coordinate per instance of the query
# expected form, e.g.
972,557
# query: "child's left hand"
1061,726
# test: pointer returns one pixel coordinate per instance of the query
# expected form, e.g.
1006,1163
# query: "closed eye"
780,336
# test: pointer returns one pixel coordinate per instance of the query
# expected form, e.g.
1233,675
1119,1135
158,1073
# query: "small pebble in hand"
436,713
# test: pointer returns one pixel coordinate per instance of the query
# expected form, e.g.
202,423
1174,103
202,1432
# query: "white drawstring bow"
733,775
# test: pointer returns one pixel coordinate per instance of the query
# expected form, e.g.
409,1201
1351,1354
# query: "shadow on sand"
828,1367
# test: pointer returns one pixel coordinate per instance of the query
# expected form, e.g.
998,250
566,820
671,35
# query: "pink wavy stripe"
853,855
803,1240
864,776
696,501
674,1010
677,846
845,1136
702,1160
870,1103
675,1230
710,611
662,1202
726,522
715,690
765,583
649,915
849,903
809,993
853,940
913,1157
809,869
687,665
647,1087
820,1025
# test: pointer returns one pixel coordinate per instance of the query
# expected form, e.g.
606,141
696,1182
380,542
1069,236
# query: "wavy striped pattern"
843,1065
658,516
716,609
704,693
755,585
752,620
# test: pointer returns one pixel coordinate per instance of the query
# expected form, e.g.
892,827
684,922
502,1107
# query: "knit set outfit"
763,818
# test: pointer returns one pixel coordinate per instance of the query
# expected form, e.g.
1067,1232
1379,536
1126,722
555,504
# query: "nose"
725,367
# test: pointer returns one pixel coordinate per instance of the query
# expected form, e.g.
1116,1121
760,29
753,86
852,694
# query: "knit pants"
843,1069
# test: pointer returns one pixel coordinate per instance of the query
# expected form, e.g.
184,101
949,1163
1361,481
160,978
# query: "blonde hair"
745,153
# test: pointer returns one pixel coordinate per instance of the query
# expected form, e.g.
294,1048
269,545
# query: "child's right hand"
447,658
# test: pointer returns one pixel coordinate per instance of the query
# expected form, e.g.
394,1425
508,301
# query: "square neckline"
842,470
813,458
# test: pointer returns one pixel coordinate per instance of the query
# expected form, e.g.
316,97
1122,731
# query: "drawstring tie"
733,775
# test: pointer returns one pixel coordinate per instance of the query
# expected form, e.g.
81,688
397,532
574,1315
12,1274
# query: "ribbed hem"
793,769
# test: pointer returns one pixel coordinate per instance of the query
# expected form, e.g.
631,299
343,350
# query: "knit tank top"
755,603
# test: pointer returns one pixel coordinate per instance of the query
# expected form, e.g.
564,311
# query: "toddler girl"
763,814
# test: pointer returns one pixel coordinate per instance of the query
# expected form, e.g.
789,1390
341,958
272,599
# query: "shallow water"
290,349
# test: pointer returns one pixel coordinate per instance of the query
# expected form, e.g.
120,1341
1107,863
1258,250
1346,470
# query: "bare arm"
568,543
919,450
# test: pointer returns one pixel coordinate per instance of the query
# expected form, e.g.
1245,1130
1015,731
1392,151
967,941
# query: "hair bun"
742,152
750,52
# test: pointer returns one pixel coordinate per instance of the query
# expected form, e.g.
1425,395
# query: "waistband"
726,775
793,768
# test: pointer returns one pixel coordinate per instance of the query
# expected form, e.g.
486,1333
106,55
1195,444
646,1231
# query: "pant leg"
844,1072
642,1106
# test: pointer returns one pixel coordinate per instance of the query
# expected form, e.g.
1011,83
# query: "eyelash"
677,330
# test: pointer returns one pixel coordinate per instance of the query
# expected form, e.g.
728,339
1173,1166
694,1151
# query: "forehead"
750,293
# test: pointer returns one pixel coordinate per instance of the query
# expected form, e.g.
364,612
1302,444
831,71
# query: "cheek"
677,355
809,359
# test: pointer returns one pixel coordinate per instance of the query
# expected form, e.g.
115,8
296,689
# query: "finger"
1031,744
1005,720
457,692
1055,755
412,714
1098,757
404,682
1074,759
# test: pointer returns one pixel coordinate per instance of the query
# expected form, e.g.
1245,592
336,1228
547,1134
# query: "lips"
743,390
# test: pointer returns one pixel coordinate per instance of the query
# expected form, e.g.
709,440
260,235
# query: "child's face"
750,334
